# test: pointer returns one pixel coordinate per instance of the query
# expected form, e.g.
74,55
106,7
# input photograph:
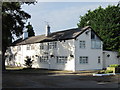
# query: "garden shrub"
108,71
114,65
28,62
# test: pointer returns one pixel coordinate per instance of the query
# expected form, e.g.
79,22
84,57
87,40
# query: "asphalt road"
17,80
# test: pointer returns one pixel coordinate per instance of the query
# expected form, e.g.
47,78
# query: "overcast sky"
60,15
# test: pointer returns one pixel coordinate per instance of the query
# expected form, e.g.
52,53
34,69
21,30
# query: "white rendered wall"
110,57
64,48
88,51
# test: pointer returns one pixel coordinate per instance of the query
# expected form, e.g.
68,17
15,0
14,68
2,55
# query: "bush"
108,71
114,65
28,62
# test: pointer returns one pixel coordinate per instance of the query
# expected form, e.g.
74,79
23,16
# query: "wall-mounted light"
36,55
52,56
108,55
118,56
71,56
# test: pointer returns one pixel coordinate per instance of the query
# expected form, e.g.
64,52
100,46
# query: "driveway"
36,80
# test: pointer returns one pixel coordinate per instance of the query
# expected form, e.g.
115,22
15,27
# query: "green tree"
106,22
30,30
13,22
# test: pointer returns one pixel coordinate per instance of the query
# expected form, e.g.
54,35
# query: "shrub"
108,71
28,62
114,65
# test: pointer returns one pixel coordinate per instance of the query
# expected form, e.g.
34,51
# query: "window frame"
99,60
82,44
41,46
44,59
28,47
83,60
52,45
18,48
61,59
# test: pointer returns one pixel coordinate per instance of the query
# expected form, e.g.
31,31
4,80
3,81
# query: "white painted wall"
88,51
64,48
112,59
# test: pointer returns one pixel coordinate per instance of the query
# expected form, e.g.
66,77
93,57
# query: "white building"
73,49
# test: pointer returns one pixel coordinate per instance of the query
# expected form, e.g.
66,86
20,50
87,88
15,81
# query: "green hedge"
114,65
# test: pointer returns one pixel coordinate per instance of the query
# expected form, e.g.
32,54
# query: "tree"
106,22
13,23
30,30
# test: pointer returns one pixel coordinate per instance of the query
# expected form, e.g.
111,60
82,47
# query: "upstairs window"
61,59
92,35
52,45
82,44
19,48
28,47
41,46
95,44
32,47
95,41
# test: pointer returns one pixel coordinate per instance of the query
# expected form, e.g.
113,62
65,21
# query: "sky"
59,15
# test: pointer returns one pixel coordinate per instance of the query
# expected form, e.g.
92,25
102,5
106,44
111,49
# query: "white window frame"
28,47
52,45
82,44
61,59
99,60
83,59
96,44
44,59
41,46
18,48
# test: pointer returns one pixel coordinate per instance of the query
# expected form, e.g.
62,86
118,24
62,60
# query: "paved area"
37,80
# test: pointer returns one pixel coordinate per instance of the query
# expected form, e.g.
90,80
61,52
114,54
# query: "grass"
45,71
13,68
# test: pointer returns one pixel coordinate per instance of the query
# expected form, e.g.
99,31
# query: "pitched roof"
55,36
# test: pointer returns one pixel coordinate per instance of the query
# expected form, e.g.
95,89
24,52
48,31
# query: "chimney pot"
47,30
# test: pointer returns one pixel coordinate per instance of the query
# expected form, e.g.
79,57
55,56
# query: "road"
17,80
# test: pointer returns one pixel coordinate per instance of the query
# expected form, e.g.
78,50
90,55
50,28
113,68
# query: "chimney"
47,30
25,34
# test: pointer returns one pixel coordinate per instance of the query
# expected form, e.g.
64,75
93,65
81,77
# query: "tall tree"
13,22
30,30
106,22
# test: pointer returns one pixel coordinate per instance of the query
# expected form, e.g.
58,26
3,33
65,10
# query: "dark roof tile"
60,35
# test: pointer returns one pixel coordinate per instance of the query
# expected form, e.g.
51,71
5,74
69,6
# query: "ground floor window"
43,59
83,59
61,59
99,59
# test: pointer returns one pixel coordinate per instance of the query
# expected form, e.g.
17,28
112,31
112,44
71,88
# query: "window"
92,35
52,45
82,44
44,59
99,59
28,47
83,59
61,59
19,48
41,46
32,47
96,44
